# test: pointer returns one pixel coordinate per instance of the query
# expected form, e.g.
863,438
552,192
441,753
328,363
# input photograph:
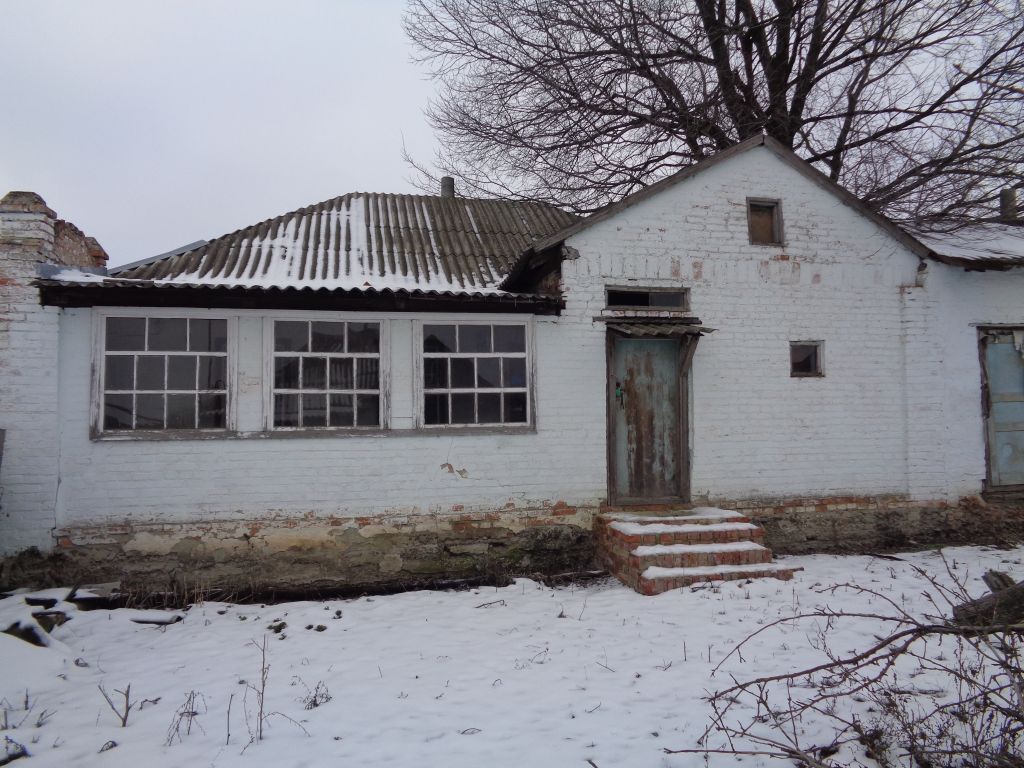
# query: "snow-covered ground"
521,675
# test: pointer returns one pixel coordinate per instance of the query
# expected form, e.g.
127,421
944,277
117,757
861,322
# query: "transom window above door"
475,374
326,374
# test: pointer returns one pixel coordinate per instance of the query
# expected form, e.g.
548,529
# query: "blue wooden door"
645,402
1004,373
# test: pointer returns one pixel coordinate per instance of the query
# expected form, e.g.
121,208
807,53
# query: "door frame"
686,350
987,486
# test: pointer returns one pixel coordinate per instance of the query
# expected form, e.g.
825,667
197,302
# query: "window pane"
341,411
117,412
213,373
328,337
168,334
463,407
367,373
488,372
514,369
438,338
804,360
149,372
213,410
181,411
341,373
489,408
474,338
149,411
181,372
126,333
762,224
314,373
435,373
367,410
120,373
291,336
435,409
515,407
364,337
208,335
509,338
463,375
669,299
314,410
286,372
286,410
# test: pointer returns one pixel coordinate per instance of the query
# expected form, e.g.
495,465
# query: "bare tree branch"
914,105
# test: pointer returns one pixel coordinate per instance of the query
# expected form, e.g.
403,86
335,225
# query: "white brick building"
387,387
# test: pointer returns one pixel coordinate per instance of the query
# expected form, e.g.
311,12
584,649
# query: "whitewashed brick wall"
400,473
28,386
959,302
755,431
898,411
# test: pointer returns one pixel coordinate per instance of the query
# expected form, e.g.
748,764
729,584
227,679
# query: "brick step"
695,515
698,555
658,549
634,533
654,580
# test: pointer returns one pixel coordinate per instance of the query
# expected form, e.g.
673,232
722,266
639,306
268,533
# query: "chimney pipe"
447,186
1008,206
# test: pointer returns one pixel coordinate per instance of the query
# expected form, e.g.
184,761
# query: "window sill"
304,434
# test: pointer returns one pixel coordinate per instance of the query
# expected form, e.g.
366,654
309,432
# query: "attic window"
764,221
647,299
805,358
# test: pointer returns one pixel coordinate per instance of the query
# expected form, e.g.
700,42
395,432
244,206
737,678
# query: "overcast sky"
154,124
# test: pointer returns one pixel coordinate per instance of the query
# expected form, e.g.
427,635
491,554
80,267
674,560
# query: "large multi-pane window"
475,374
163,373
326,374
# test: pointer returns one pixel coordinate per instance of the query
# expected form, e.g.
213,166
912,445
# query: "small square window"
805,359
764,220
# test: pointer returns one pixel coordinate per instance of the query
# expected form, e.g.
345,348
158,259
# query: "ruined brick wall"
72,248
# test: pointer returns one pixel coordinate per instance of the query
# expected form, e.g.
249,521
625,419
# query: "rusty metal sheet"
659,329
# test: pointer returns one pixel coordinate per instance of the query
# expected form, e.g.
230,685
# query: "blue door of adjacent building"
1003,353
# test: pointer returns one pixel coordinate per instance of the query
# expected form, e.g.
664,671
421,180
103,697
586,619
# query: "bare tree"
914,105
925,692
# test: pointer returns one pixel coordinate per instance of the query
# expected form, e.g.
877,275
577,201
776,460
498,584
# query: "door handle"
620,395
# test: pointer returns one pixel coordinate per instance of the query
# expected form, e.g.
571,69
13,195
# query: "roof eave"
141,293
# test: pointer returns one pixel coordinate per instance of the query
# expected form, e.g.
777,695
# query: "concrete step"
699,555
654,580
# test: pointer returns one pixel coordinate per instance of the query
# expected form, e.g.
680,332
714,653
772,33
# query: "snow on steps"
653,553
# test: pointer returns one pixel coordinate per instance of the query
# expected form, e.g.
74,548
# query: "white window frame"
384,364
99,326
419,390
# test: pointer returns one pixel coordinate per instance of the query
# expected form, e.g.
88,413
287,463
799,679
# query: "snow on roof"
988,243
363,241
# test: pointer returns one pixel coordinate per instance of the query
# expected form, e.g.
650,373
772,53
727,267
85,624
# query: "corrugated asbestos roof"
367,242
984,244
